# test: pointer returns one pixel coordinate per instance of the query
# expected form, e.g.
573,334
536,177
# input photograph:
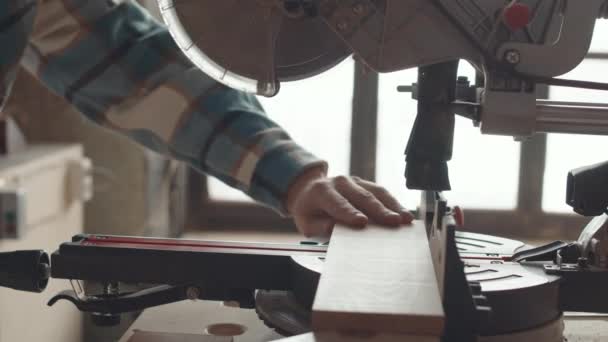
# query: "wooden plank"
379,280
329,336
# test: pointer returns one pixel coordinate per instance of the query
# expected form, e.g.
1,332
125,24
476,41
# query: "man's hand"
317,202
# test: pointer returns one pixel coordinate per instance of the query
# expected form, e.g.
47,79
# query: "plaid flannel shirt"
120,68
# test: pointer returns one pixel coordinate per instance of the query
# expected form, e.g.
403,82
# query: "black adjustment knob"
25,270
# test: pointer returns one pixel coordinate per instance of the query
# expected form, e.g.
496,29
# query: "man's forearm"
121,69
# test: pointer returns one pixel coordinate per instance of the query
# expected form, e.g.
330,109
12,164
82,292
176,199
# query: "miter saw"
493,289
515,45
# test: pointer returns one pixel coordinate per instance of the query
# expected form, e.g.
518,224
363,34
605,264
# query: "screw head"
513,57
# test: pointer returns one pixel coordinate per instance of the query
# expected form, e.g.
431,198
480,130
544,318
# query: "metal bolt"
513,57
358,8
193,293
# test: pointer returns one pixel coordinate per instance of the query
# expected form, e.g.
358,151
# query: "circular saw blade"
258,39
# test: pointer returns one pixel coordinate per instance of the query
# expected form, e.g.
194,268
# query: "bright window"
484,169
567,152
600,37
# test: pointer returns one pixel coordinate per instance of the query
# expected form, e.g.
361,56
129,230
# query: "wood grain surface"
379,280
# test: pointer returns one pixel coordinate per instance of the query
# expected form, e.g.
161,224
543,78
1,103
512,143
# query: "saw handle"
25,270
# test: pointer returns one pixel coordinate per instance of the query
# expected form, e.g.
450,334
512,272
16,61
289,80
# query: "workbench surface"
192,318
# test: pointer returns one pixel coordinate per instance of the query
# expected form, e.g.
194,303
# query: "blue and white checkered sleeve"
121,68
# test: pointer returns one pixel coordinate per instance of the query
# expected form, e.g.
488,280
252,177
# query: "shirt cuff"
277,170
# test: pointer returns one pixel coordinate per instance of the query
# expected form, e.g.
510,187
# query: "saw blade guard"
204,62
253,45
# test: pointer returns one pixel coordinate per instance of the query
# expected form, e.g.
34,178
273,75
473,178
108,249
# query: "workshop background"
508,188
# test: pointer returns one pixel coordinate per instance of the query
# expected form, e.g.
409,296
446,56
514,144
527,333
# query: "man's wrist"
302,182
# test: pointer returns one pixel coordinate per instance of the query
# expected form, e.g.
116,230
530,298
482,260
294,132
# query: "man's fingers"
339,208
367,202
323,202
386,198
